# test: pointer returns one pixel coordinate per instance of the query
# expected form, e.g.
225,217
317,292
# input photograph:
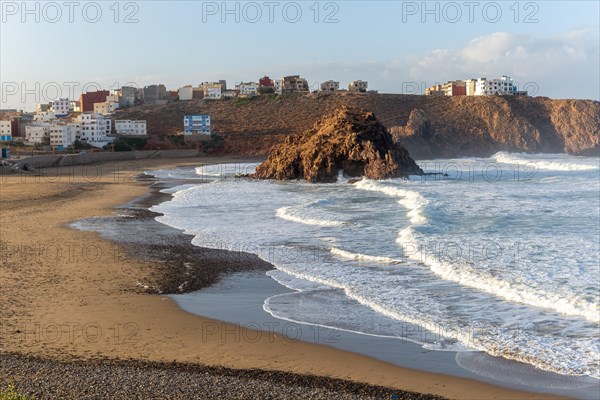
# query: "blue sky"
550,48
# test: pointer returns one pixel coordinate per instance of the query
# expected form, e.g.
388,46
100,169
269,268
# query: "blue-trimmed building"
199,124
6,131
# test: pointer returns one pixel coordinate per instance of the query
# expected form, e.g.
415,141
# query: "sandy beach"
70,295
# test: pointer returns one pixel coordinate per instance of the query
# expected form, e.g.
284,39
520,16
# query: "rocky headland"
351,140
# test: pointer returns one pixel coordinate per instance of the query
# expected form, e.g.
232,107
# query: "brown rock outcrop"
351,139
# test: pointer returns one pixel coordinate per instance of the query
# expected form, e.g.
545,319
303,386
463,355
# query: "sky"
58,49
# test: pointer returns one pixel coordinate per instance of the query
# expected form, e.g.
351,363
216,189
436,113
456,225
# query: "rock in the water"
351,139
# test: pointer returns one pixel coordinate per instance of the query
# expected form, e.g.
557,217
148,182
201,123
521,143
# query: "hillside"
427,126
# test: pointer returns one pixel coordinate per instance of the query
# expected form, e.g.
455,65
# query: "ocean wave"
364,257
504,344
467,276
288,214
225,170
540,162
411,200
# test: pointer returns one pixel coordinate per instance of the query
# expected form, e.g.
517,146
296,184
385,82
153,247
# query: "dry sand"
67,293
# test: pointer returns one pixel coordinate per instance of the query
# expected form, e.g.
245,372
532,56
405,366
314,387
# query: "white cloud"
565,66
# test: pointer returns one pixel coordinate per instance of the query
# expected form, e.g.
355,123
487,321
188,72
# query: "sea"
498,255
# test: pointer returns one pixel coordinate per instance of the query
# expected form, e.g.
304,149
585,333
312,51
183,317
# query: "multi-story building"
45,116
199,124
128,96
127,127
76,128
61,107
488,87
62,135
294,84
155,94
42,107
94,127
186,92
230,93
435,90
38,133
265,81
114,97
88,99
247,89
22,122
75,106
106,107
454,88
6,131
470,87
278,85
358,86
330,86
212,91
198,92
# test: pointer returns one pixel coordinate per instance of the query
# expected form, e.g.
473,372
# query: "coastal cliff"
350,139
427,126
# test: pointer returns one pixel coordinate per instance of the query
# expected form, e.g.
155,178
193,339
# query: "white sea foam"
293,214
542,162
467,276
226,170
364,257
411,200
463,274
503,344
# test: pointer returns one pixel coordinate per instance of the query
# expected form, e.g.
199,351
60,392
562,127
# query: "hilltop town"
95,118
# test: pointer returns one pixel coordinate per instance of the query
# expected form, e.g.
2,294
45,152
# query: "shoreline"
96,294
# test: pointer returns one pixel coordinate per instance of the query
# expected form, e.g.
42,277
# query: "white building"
230,93
278,85
330,86
114,97
213,91
61,107
498,86
186,92
45,116
37,134
75,106
5,131
62,136
94,127
76,128
247,89
129,127
106,107
357,86
199,124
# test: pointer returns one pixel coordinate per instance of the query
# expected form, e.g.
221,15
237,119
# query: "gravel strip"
123,379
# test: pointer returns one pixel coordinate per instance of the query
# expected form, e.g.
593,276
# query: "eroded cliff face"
427,126
351,139
481,126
